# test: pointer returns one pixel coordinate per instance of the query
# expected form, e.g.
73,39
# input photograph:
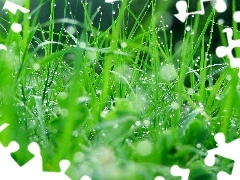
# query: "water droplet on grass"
137,123
91,55
78,157
146,123
168,72
218,97
228,77
17,28
220,6
82,99
115,126
198,146
82,45
75,133
62,95
175,105
64,112
190,91
201,105
123,44
36,66
71,29
188,28
144,148
123,73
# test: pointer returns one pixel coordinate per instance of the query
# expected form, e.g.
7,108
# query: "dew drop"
168,72
175,105
16,27
188,28
82,45
144,148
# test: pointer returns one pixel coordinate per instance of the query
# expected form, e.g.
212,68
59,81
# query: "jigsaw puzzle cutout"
182,6
3,47
13,8
111,1
10,169
177,171
222,51
228,150
220,6
236,16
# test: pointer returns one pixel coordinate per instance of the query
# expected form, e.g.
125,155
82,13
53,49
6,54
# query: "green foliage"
135,116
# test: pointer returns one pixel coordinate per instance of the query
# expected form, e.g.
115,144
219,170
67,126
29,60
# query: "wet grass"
118,105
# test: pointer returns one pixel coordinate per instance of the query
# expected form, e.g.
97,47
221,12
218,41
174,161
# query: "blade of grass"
111,57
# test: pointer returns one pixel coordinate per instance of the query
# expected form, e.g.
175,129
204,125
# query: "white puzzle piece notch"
13,8
222,51
35,162
3,47
182,6
228,150
111,1
219,5
177,171
7,164
10,169
236,16
64,164
159,178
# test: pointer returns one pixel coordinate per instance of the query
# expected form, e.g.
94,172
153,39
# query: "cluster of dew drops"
34,81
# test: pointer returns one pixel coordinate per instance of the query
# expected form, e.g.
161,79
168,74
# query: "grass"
136,116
